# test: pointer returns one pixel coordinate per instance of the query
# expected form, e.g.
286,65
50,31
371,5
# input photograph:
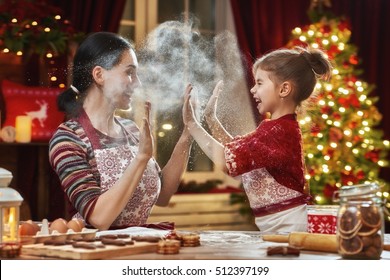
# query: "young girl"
270,159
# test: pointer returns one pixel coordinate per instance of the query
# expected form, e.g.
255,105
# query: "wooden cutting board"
69,252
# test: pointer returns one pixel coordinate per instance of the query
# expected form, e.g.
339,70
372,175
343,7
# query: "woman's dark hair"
103,49
300,66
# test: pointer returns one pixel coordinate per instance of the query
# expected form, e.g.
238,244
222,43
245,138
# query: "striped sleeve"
70,158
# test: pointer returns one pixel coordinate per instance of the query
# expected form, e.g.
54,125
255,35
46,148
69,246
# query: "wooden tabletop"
239,245
223,245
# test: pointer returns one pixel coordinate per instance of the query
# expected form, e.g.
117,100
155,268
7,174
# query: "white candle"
23,129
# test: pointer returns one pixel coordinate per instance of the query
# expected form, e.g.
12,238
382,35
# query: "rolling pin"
307,241
275,238
313,241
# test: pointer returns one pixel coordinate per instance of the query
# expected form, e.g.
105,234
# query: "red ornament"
357,139
343,101
354,101
344,25
360,175
350,101
325,29
348,177
312,172
352,125
337,116
333,51
326,110
372,155
353,59
329,190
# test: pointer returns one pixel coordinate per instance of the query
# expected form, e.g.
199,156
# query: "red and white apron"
112,162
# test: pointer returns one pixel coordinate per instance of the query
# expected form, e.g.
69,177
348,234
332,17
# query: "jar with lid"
360,222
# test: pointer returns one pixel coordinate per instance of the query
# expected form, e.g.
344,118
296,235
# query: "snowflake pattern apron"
263,190
277,209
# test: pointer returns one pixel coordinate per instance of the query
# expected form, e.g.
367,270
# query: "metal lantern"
10,201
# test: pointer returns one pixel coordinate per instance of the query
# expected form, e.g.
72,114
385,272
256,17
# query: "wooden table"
240,245
222,245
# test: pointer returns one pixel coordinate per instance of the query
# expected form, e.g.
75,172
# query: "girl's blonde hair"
300,66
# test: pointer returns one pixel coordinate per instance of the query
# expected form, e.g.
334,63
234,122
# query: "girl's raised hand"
211,107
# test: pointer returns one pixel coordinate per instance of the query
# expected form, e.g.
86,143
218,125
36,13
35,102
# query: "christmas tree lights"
342,142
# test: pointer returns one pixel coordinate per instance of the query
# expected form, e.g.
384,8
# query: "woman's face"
265,93
121,81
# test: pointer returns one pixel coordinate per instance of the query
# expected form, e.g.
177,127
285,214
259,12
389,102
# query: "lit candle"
12,224
23,129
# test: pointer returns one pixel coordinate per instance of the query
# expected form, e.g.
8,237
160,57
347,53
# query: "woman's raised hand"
188,110
146,143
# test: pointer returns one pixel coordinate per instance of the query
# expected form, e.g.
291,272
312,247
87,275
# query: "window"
143,16
127,25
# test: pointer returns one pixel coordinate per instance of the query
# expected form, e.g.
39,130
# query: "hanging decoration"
38,33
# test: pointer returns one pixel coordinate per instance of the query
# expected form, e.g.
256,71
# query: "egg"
75,224
60,225
35,225
28,228
81,223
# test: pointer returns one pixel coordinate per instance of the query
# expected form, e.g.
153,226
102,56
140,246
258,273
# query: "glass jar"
360,222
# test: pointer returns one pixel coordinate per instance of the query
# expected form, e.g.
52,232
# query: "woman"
104,162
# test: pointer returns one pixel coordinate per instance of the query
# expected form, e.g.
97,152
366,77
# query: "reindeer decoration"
41,114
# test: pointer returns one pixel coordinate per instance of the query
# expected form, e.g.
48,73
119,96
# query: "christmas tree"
342,142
